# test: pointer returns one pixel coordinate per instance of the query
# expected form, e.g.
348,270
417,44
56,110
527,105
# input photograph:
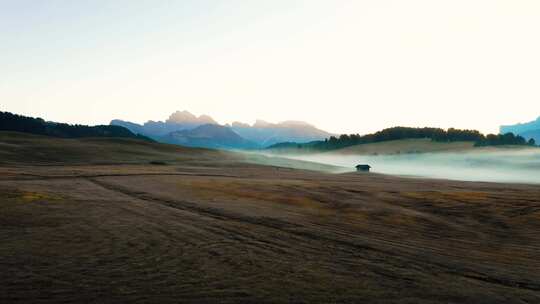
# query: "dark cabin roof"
363,166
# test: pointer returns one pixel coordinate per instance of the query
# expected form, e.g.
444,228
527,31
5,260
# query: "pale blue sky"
346,66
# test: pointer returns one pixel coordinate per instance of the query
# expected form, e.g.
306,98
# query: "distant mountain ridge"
528,130
267,134
209,136
259,135
521,127
179,120
185,117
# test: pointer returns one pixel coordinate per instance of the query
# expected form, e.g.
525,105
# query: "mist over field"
491,165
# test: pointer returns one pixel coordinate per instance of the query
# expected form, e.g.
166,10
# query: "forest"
397,133
19,123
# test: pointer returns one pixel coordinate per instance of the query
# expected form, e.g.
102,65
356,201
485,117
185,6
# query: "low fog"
491,165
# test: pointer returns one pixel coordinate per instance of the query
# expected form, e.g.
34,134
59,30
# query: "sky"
345,66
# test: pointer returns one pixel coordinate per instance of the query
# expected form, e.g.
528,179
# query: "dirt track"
261,234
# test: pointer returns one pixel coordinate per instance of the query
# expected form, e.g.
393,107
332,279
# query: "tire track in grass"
292,229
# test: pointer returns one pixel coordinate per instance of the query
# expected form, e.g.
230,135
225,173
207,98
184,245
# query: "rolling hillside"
19,123
402,146
405,146
32,149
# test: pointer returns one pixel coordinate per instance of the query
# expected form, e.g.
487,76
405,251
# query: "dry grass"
258,190
191,232
441,196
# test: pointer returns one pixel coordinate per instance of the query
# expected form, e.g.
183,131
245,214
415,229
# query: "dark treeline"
19,123
396,133
504,139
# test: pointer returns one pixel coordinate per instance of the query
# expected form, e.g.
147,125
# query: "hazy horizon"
503,165
345,67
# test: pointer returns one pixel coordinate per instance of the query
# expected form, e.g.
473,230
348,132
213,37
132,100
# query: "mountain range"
186,129
266,134
528,130
208,136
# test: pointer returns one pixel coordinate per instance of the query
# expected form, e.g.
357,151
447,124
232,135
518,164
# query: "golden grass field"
93,221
